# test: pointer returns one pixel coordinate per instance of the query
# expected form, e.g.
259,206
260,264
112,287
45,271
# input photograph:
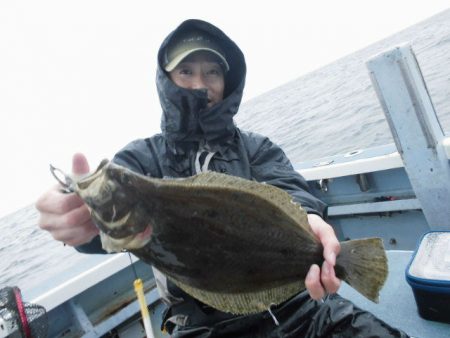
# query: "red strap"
23,316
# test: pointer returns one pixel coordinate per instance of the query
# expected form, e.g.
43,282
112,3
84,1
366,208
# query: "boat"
397,192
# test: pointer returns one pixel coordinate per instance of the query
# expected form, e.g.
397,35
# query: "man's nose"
198,82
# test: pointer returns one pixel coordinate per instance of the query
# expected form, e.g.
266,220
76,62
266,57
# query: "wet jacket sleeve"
93,247
270,164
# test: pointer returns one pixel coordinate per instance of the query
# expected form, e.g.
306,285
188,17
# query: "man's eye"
185,71
214,72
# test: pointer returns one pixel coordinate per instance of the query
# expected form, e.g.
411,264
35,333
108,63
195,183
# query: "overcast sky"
78,76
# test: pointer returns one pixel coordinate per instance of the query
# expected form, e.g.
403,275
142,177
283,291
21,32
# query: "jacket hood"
186,119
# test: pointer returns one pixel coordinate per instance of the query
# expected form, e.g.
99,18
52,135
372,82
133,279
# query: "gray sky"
78,76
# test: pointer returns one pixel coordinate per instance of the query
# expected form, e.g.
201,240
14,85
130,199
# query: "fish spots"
251,271
285,252
211,213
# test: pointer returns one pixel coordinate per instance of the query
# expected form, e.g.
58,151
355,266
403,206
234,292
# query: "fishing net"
18,319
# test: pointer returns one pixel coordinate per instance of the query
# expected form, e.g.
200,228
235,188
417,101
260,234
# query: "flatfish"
237,245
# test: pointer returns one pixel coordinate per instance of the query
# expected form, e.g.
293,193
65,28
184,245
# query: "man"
200,81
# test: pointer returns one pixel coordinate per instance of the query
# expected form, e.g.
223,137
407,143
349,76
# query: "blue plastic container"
428,274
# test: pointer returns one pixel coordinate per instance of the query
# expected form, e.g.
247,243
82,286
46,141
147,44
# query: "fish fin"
243,303
362,263
281,198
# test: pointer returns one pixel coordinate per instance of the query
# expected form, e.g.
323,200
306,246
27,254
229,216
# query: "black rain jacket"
188,126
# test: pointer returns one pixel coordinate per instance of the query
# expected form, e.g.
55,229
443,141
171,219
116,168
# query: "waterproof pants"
300,316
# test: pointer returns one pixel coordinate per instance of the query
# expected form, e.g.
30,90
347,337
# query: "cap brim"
175,62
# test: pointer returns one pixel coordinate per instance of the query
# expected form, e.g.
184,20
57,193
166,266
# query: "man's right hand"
66,216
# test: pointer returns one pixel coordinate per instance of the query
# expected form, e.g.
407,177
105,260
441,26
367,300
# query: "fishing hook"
67,183
277,323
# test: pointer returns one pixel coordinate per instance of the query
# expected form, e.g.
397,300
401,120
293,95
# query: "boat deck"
397,306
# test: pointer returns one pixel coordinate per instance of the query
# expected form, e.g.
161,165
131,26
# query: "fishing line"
132,266
139,289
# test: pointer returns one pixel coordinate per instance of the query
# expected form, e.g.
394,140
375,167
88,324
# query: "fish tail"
362,263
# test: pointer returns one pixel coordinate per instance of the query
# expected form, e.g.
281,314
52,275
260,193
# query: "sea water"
329,111
335,109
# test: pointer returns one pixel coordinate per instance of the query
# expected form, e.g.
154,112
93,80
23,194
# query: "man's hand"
320,281
66,216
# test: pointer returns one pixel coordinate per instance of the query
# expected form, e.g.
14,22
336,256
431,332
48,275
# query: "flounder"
237,245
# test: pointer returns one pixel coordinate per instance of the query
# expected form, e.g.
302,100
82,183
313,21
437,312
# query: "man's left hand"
322,280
